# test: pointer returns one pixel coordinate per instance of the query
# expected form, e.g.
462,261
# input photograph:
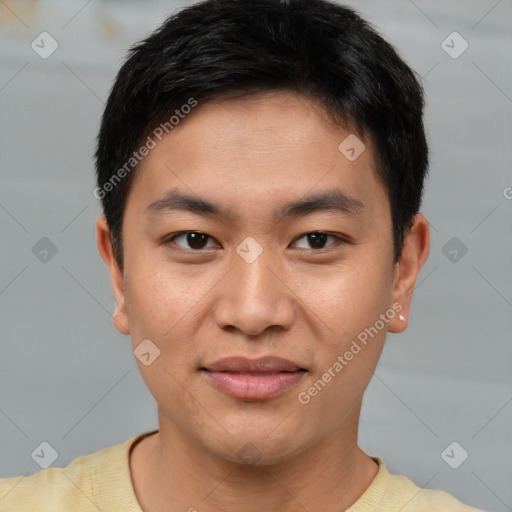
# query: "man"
260,166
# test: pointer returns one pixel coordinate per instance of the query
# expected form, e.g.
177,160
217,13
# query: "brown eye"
318,239
195,239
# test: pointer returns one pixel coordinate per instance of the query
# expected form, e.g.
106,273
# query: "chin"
251,448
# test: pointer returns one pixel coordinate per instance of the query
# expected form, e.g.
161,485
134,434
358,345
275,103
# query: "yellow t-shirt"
101,481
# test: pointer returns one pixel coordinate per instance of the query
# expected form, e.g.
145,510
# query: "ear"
104,242
414,254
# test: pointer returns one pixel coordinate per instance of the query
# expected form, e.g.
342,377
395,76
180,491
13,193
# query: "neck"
171,472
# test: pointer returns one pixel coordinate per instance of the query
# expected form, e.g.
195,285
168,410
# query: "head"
296,132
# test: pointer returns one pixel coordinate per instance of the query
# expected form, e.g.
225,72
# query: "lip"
253,379
269,364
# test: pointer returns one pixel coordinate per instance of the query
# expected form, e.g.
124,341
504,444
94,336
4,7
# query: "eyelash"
339,239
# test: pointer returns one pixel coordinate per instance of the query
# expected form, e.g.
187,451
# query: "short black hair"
241,47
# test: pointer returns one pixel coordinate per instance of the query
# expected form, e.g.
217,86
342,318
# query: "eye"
195,239
317,239
198,240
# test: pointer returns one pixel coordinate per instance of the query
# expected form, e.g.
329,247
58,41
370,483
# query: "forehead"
256,152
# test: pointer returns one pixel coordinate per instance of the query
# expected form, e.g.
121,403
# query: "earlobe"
414,254
119,317
120,322
400,325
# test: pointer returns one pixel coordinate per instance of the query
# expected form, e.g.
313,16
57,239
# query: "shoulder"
79,486
418,499
392,492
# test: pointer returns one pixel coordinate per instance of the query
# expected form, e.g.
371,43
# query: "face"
292,257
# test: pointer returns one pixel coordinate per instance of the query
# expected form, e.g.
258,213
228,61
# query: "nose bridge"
252,268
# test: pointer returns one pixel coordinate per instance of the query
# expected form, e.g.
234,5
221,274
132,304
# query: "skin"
296,300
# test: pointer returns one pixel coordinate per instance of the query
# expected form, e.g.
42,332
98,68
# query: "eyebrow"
333,200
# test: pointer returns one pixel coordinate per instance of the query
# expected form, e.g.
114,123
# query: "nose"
255,297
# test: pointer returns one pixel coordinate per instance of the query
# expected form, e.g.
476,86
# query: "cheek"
159,299
345,300
168,306
347,307
160,307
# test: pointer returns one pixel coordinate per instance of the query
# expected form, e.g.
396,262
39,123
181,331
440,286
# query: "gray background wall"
68,378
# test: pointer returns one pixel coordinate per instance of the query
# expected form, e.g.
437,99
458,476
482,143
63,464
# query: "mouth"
259,379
